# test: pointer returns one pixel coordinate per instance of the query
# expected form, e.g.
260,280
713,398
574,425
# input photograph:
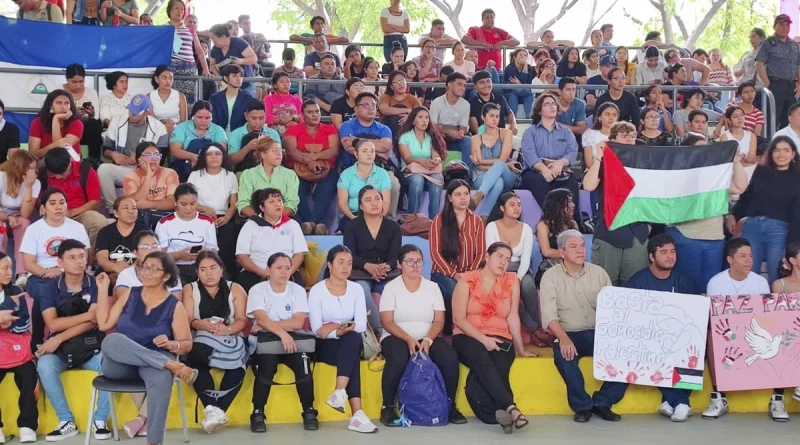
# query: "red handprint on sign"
608,368
634,372
659,376
693,356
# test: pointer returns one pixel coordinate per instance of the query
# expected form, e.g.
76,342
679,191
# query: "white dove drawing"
763,344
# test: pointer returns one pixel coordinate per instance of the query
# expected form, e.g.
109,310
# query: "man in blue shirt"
571,111
549,148
366,105
660,276
68,304
606,63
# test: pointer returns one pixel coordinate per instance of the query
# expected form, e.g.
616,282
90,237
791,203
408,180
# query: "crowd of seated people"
191,215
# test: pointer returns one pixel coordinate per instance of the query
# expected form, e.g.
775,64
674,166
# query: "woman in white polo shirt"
412,314
186,232
217,196
269,232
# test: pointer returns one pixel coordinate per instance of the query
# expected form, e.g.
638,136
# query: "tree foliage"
356,20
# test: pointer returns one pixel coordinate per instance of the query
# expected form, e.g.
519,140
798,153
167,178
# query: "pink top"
488,312
277,103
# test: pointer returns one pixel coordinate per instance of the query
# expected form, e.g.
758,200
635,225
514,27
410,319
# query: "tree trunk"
452,13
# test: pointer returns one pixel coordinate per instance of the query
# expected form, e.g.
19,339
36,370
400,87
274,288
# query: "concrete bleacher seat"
538,389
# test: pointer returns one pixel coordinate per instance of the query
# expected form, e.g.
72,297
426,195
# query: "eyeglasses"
150,269
152,155
371,105
401,81
413,263
153,246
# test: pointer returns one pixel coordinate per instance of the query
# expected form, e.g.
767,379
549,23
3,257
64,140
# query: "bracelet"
597,159
430,342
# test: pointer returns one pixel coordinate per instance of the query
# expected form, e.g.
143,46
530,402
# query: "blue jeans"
494,73
387,46
324,193
675,396
373,314
447,285
514,97
767,237
251,89
417,185
50,368
493,183
610,393
698,259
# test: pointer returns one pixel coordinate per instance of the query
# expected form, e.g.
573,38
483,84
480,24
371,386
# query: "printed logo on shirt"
188,237
122,253
52,244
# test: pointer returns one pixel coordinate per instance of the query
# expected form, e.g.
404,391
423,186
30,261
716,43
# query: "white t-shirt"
9,204
42,240
396,20
413,311
467,68
593,137
278,306
176,234
723,284
214,190
261,241
130,278
324,307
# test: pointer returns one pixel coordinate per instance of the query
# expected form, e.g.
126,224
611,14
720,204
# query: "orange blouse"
488,312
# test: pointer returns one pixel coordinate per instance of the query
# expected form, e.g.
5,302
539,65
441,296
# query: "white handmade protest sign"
650,338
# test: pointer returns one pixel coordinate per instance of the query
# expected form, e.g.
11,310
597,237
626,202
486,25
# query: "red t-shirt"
75,128
59,3
493,36
753,119
72,186
300,132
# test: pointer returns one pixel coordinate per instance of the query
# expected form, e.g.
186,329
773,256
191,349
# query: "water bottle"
115,19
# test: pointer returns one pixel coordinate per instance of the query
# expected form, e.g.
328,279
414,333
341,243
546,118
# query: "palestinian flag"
666,185
686,378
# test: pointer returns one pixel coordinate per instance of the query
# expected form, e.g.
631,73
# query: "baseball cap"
608,61
782,18
139,104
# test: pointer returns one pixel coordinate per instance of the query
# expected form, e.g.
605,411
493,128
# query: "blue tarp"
55,45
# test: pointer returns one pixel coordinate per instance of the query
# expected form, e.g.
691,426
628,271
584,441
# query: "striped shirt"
753,119
473,246
186,51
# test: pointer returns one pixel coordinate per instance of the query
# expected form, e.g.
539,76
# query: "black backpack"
86,166
479,400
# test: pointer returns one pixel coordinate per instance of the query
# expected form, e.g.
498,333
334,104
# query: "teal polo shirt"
235,143
185,132
353,183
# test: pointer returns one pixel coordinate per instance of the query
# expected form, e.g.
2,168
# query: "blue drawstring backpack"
421,395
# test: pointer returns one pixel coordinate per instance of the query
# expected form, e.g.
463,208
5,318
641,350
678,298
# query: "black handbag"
79,349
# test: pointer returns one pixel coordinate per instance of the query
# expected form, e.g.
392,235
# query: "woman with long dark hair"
771,205
557,216
411,70
487,331
169,104
649,131
338,315
282,107
457,243
570,65
396,103
654,98
151,185
193,135
216,311
604,117
57,125
494,172
519,72
412,314
422,149
217,197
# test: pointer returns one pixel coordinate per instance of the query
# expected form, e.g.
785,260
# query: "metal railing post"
773,111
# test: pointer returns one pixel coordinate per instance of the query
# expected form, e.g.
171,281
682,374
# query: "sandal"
187,374
505,420
519,420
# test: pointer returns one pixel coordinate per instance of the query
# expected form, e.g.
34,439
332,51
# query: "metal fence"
767,99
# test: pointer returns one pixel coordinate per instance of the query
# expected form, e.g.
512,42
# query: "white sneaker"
360,423
101,431
2,437
214,419
337,400
777,409
666,410
796,394
682,413
27,435
717,407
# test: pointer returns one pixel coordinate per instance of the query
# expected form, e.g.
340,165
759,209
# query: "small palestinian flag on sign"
687,378
666,185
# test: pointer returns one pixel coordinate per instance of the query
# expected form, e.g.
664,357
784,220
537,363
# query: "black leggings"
93,137
266,365
25,377
492,368
228,389
344,353
395,351
226,240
